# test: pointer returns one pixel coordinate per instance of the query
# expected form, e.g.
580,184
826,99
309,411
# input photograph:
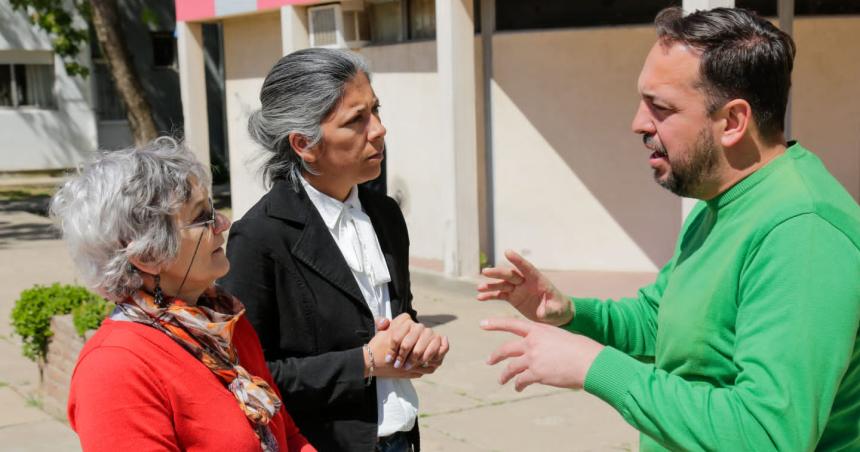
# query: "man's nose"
642,121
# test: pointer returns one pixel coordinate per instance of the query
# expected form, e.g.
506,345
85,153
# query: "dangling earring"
159,295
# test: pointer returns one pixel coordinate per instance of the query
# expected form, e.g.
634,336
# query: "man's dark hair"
743,56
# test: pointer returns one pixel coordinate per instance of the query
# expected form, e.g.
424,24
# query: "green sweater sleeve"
796,327
628,324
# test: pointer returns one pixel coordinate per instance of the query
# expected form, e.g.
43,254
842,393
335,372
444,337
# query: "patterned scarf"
206,331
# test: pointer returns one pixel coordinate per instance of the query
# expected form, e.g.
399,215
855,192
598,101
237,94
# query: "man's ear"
737,117
301,147
145,267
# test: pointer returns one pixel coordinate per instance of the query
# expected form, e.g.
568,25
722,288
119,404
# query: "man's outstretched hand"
527,290
542,354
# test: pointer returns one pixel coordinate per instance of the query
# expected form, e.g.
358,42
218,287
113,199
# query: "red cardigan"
135,389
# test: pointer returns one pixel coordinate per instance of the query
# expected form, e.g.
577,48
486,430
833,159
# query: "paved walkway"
463,407
29,254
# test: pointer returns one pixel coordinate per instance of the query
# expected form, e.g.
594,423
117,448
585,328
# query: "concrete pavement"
463,407
29,254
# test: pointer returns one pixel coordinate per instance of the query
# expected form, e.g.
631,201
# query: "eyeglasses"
207,218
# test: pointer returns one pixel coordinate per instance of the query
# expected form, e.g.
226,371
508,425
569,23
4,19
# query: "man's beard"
688,173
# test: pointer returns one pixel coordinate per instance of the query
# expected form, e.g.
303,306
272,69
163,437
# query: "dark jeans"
397,442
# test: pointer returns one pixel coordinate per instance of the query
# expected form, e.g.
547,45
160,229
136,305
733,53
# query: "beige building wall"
252,45
573,189
826,94
406,82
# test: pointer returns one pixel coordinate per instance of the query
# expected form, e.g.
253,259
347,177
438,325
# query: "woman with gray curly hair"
322,263
176,366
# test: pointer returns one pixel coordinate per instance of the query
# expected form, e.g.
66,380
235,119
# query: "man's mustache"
650,142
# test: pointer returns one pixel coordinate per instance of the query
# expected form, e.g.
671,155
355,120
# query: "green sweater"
752,327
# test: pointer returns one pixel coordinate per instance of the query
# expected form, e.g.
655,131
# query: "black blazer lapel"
315,247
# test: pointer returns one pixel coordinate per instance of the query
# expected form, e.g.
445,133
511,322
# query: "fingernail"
408,366
484,323
388,358
397,364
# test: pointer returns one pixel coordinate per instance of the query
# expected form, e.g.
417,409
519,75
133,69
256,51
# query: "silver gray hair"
299,92
123,205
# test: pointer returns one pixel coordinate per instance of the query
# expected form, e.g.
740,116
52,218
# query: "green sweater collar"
747,183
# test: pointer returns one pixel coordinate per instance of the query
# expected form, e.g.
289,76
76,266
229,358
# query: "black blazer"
309,312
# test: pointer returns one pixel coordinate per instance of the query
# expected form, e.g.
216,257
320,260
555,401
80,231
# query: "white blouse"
396,399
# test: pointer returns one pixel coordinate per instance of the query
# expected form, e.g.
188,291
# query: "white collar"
330,209
353,232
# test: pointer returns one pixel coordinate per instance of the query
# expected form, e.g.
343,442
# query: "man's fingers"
494,295
514,368
508,350
501,286
510,275
520,263
515,326
526,378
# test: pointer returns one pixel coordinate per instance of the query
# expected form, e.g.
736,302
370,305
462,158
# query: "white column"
785,10
687,204
192,84
455,50
488,28
294,28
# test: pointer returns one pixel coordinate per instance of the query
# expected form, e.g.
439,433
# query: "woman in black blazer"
322,265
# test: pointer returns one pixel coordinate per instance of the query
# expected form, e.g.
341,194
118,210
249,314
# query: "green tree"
68,36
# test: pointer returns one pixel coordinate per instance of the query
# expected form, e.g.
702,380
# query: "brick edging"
63,350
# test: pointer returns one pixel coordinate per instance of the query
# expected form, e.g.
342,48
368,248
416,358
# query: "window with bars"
108,105
804,7
163,49
401,20
546,14
27,85
514,15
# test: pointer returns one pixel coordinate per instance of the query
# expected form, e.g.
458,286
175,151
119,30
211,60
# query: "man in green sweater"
752,326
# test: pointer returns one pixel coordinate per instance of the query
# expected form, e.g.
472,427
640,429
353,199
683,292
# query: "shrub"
90,314
31,315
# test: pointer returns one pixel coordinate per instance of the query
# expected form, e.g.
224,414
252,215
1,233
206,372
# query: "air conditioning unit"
339,25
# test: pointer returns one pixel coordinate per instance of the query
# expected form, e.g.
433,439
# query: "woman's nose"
222,223
377,130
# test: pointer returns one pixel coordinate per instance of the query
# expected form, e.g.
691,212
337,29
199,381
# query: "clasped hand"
403,348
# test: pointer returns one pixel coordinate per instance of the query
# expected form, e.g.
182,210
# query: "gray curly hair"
123,205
